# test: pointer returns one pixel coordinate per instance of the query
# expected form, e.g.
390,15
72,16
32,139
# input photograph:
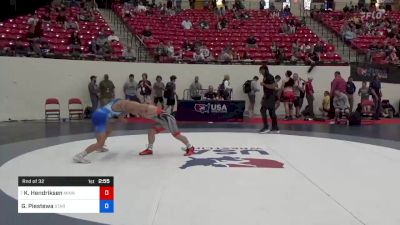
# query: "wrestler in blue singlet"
100,116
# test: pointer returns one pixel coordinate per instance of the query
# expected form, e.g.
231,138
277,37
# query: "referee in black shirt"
268,101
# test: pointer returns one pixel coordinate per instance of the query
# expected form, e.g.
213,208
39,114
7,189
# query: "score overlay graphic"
65,194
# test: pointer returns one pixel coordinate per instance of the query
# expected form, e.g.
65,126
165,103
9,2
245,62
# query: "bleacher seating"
335,21
261,24
13,30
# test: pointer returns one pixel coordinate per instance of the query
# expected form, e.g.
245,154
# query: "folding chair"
75,108
52,109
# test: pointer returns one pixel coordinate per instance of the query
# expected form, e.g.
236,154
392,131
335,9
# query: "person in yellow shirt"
325,104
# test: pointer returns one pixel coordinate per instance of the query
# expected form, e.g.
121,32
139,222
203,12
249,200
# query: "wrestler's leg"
80,157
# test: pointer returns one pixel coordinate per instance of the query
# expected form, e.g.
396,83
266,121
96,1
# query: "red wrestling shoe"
146,152
189,151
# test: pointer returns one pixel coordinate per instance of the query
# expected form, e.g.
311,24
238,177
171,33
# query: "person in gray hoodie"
252,95
341,104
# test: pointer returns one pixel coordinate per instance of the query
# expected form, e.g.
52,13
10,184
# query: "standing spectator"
288,94
210,94
268,101
298,88
170,93
130,89
224,89
158,88
145,89
375,87
338,83
107,90
252,95
310,97
195,89
94,93
364,92
326,104
350,89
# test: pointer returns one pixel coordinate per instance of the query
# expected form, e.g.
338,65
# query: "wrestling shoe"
189,151
277,131
264,130
103,149
146,152
78,158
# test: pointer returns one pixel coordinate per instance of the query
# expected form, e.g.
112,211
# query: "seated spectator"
70,24
199,57
226,56
159,51
247,56
101,40
75,44
105,50
341,105
146,33
128,54
372,48
244,15
392,57
186,24
326,104
204,24
46,18
388,110
61,18
187,46
306,48
284,28
210,94
274,47
170,49
45,49
312,59
238,5
319,47
112,38
33,20
350,35
296,49
222,24
205,52
86,16
74,40
280,55
252,42
140,8
197,44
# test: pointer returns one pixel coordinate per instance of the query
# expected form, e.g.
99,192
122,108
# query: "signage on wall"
366,71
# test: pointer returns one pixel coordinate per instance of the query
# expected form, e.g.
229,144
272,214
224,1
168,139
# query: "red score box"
106,193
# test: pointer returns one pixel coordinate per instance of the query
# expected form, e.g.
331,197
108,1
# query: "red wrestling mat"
258,120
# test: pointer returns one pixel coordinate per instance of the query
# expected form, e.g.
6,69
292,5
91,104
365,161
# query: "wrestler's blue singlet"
101,116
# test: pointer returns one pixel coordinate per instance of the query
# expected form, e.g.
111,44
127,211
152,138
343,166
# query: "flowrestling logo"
210,108
231,157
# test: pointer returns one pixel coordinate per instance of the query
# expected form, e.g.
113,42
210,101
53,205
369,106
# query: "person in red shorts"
288,94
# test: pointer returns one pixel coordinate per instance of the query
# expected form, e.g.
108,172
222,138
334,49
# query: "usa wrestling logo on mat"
231,157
